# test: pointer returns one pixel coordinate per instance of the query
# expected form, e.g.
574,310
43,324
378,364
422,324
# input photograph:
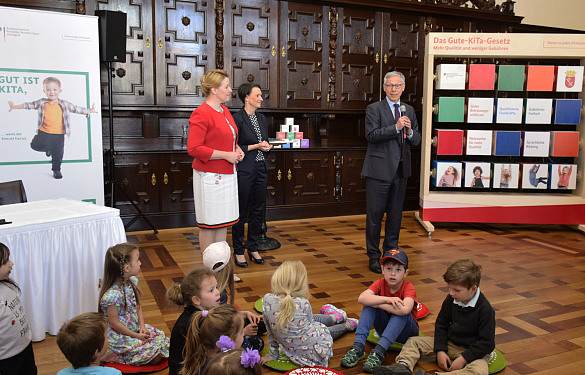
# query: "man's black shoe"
375,266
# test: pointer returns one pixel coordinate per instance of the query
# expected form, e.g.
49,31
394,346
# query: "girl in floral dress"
303,337
133,341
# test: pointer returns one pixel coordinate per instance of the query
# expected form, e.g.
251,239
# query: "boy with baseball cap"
390,306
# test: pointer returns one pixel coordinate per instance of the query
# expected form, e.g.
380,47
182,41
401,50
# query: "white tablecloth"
58,247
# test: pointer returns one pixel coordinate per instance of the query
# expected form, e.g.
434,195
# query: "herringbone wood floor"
534,276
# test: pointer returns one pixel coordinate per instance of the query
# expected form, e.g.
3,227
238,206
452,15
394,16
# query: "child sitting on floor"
198,291
205,331
390,306
217,257
133,341
16,349
465,329
303,337
83,341
235,362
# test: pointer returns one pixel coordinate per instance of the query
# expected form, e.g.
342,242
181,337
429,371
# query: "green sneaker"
374,359
352,357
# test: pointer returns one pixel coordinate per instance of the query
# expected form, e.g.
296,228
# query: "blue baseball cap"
396,254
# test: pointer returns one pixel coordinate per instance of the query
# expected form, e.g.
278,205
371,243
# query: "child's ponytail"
289,279
182,294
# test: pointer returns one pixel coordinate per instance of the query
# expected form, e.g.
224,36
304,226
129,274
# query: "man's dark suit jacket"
247,136
383,154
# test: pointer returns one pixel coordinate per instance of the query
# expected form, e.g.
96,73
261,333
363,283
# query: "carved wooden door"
251,47
133,80
402,40
184,41
276,177
353,186
359,49
303,73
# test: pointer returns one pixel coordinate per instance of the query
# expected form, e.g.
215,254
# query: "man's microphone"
403,113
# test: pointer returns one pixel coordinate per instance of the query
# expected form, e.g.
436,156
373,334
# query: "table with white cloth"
58,248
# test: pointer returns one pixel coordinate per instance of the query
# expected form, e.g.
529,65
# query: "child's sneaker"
352,357
340,315
351,324
393,369
373,360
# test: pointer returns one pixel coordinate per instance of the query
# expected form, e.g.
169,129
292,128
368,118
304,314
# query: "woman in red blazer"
212,142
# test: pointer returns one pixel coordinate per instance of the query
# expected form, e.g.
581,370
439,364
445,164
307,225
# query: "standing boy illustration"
53,122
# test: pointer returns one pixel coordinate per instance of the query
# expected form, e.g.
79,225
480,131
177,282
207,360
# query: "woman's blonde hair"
117,257
204,332
212,79
183,293
290,279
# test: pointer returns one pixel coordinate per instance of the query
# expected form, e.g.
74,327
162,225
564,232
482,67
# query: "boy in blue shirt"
390,306
84,342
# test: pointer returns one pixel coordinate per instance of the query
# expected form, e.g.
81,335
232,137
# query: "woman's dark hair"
245,89
4,256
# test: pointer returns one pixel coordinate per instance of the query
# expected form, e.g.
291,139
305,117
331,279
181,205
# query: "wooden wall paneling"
133,80
185,44
251,47
401,45
360,40
303,66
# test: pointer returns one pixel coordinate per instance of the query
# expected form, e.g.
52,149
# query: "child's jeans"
391,328
52,143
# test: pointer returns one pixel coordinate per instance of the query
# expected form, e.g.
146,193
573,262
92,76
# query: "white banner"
50,109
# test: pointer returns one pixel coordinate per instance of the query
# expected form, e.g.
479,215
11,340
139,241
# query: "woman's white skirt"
216,199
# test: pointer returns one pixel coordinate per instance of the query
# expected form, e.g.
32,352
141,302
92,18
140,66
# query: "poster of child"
563,176
477,174
448,174
534,176
506,176
38,126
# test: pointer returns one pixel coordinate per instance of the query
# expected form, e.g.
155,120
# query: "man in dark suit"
391,128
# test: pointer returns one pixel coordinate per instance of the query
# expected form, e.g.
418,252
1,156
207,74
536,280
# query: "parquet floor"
534,276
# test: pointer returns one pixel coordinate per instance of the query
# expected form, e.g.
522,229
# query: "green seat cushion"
258,305
497,362
374,338
282,364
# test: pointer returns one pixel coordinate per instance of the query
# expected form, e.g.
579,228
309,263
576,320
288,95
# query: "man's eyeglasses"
397,86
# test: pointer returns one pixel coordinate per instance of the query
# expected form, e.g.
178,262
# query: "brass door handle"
160,45
283,52
385,58
147,42
289,175
279,175
153,180
166,178
377,58
273,50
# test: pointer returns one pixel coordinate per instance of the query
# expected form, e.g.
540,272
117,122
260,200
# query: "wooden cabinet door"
276,176
353,186
133,80
303,75
359,48
136,176
309,177
251,47
185,49
177,182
